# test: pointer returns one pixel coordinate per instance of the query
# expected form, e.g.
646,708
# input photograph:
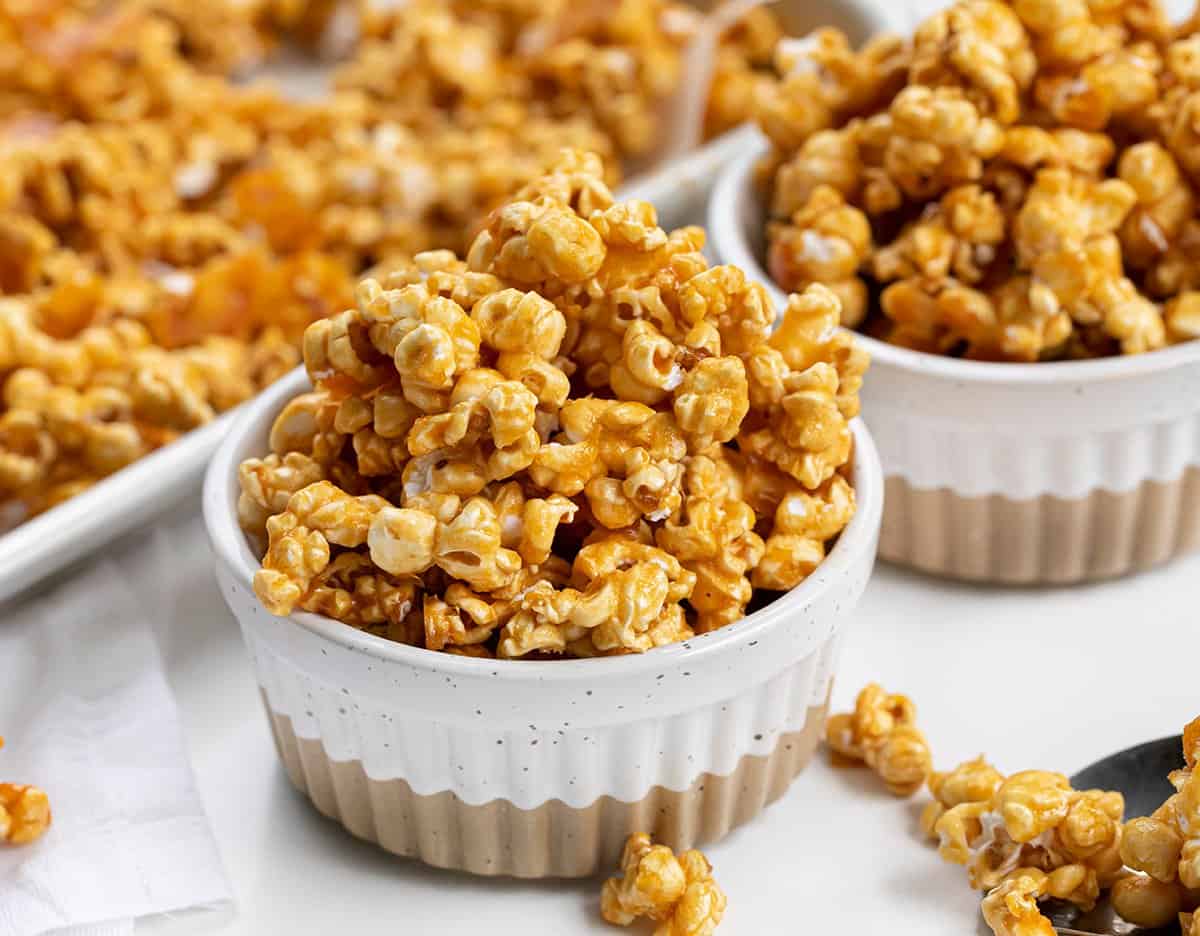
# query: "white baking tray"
133,496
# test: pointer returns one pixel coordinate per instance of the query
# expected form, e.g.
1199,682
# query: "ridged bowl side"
1040,540
551,840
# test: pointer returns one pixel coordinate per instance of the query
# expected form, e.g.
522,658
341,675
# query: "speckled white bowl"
540,769
1017,473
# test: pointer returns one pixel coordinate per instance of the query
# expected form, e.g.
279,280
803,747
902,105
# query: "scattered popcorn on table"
166,234
1031,837
1013,183
24,812
679,894
882,733
580,441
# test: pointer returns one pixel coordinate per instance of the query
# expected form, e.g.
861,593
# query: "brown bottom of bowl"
553,840
1047,540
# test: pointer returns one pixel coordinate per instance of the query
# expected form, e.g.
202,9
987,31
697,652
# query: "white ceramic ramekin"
540,769
1016,473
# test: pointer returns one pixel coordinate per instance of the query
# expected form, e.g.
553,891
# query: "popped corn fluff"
678,893
1014,182
581,440
24,812
166,234
882,733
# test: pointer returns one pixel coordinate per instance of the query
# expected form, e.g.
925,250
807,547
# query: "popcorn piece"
24,812
804,523
973,781
714,538
678,893
268,483
712,401
1011,908
536,244
295,556
1032,802
825,242
638,587
351,589
807,437
406,541
881,732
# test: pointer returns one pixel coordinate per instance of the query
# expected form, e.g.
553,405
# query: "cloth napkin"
88,716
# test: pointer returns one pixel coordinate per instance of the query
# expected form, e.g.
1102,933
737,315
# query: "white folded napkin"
87,715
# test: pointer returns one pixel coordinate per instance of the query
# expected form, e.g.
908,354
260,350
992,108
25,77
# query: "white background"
1033,678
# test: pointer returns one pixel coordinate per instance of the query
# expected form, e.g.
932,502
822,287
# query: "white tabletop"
1033,678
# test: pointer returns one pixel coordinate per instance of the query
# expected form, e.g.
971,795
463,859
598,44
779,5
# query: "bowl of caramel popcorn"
554,544
1004,202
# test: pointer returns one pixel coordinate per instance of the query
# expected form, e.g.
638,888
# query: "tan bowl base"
553,840
1042,540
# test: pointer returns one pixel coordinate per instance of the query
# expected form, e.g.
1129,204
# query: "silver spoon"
1140,774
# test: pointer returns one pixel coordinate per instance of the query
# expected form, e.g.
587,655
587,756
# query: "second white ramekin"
1014,473
540,769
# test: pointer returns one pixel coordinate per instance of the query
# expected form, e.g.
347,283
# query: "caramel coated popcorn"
1162,851
1031,837
167,232
583,440
1015,182
24,812
677,893
882,733
1025,838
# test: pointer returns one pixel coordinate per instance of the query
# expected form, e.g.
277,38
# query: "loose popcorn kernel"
651,882
679,893
881,732
24,812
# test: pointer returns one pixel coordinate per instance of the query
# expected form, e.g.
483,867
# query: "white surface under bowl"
1049,472
541,768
